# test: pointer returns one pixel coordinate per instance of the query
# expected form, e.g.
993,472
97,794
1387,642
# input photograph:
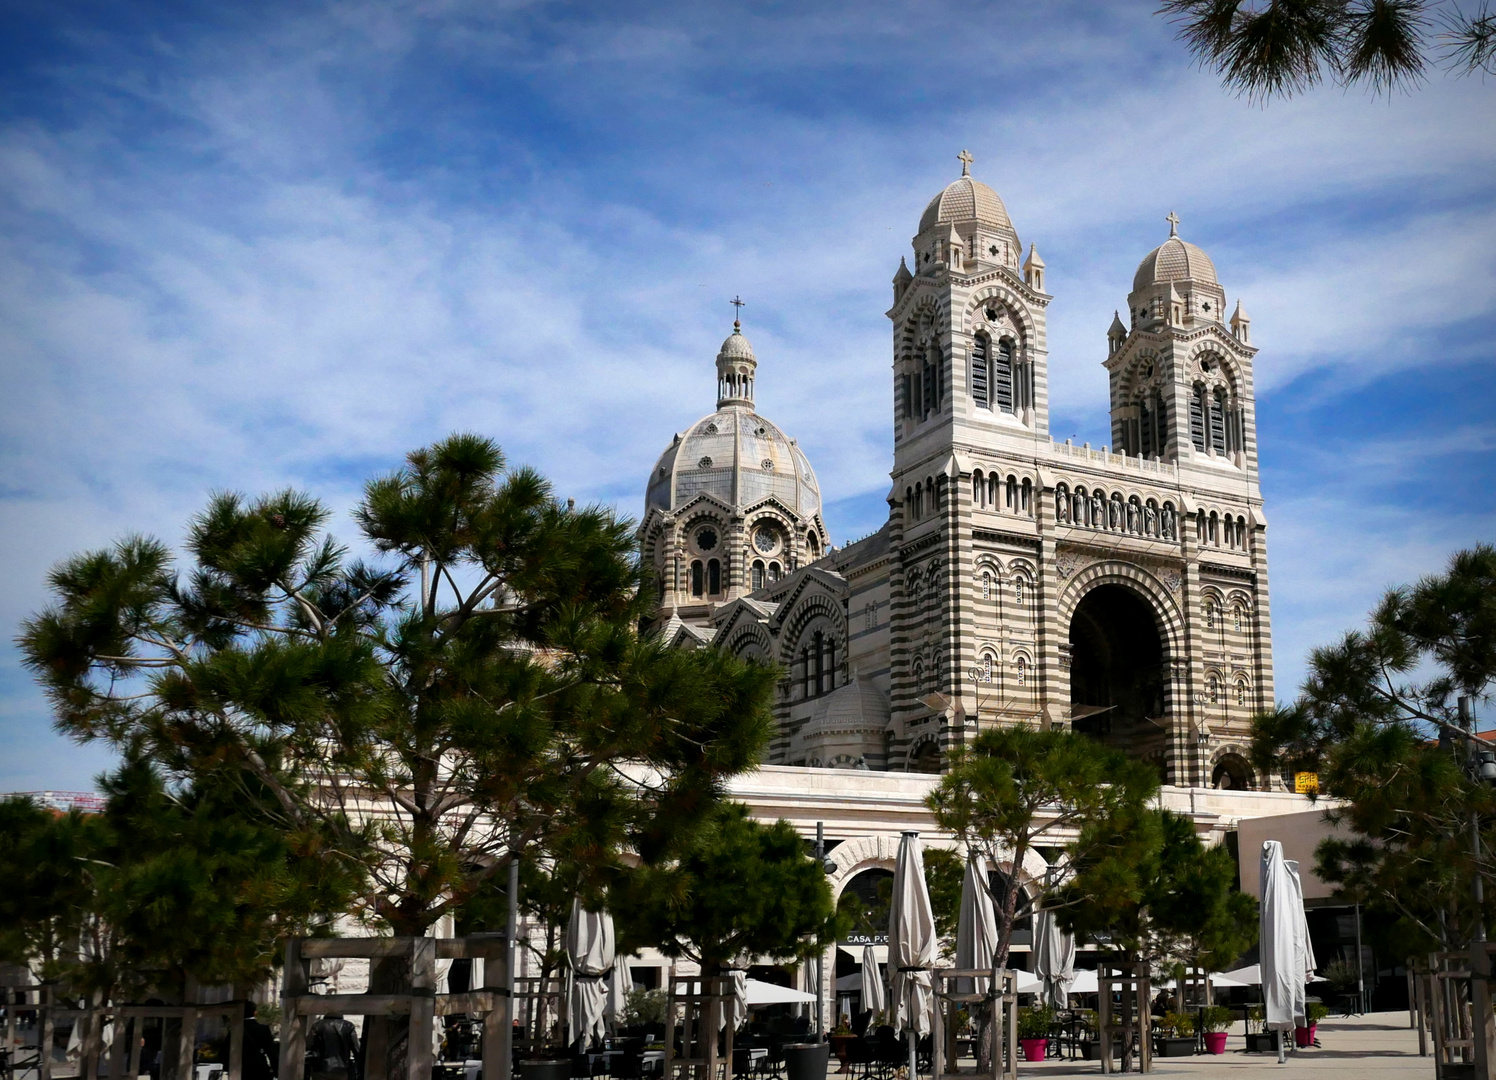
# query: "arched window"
758,573
774,572
1018,590
984,668
870,617
986,584
978,489
1022,672
1197,418
1153,425
1241,692
713,577
919,502
1002,376
919,676
1012,493
1218,421
981,372
1028,496
698,578
1200,527
1236,617
992,490
1241,532
1213,688
1210,614
1215,536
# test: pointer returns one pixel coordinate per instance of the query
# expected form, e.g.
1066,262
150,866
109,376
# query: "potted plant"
1033,1031
841,1039
1214,1020
1176,1035
1090,1045
1314,1012
1260,1041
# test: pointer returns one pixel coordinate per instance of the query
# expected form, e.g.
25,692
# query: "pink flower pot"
1304,1036
1033,1049
1215,1042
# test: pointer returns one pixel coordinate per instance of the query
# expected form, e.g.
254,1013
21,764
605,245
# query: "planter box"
1262,1042
554,1069
1304,1036
1215,1042
1176,1046
1033,1049
1092,1051
806,1061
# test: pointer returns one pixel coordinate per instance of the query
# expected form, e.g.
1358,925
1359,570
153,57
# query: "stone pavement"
1376,1047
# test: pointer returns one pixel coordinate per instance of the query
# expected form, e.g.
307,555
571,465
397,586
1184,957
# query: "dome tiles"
965,199
1174,260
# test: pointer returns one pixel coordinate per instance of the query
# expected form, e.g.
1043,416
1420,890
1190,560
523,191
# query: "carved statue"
1062,507
1134,517
1167,523
1098,510
1150,520
1115,517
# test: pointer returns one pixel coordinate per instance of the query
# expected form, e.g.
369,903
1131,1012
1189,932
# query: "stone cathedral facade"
1121,591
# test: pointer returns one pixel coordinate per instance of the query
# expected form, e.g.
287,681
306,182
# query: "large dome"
738,457
1174,260
965,199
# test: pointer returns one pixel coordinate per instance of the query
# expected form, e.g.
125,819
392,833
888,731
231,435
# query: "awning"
763,993
855,952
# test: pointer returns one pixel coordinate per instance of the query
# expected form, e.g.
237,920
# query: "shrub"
1315,1011
644,1007
1179,1025
1035,1023
1215,1018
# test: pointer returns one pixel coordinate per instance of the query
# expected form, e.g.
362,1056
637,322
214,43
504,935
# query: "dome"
1174,260
735,347
739,458
965,199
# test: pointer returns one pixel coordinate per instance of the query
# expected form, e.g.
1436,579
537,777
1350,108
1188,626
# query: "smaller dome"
736,347
1174,260
965,199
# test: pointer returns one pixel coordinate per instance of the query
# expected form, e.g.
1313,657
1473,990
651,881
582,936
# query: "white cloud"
223,274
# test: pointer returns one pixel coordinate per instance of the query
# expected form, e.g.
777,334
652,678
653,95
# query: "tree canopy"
1016,789
1378,718
1278,48
1147,883
734,889
474,692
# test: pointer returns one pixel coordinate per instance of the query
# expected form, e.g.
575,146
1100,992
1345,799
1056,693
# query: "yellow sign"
1306,783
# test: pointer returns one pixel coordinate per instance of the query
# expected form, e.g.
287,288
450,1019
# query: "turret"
735,368
1241,325
1033,270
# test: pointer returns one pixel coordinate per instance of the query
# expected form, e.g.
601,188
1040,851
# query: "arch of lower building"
881,852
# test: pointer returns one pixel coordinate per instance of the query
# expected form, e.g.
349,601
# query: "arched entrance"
1117,670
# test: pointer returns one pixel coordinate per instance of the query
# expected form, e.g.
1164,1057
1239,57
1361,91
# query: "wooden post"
187,1036
293,1024
236,1045
418,1056
44,1033
1142,1000
1104,1015
117,1050
498,1022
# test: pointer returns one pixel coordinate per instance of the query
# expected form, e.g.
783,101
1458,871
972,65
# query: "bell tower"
970,388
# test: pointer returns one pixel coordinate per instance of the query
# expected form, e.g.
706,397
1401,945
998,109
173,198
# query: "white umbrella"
1287,961
589,943
444,927
764,993
976,932
1086,982
619,984
911,946
873,997
1251,975
1054,959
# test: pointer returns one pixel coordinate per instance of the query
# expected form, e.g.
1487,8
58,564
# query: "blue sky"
246,246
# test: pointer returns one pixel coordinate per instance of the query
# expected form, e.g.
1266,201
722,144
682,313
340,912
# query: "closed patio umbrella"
589,943
911,946
873,996
976,932
1054,959
1287,961
620,982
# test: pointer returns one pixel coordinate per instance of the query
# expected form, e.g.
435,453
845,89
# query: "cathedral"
1119,591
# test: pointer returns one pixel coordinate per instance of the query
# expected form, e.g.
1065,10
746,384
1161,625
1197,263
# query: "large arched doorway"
1116,671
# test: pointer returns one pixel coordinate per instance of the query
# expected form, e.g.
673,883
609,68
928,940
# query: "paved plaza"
1359,1048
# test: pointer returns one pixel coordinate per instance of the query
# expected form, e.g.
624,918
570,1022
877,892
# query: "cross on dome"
739,304
1173,220
965,158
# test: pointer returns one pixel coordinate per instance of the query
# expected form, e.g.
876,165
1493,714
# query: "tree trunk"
387,1038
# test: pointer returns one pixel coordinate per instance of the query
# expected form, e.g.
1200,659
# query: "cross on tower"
965,158
739,303
1173,220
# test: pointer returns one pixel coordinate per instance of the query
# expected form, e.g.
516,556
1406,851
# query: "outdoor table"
653,1062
